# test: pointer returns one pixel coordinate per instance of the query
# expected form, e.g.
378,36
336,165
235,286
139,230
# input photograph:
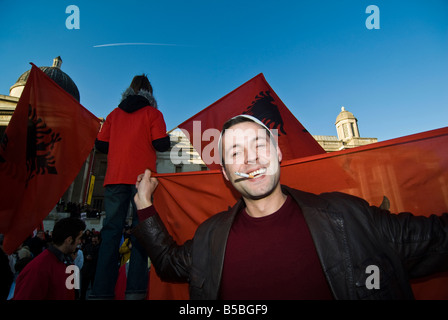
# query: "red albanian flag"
44,146
255,98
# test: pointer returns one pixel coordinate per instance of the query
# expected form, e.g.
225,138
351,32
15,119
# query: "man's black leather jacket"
349,236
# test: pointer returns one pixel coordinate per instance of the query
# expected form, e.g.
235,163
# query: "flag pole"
172,130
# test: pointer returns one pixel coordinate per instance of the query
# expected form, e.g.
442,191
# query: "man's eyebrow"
234,146
239,144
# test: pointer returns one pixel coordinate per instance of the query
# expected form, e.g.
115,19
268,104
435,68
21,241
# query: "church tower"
346,125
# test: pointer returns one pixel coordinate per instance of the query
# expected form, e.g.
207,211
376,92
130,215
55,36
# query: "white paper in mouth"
244,175
252,174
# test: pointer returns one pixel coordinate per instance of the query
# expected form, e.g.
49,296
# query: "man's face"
248,149
40,235
71,246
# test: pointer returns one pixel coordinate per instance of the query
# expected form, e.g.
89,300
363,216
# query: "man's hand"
145,187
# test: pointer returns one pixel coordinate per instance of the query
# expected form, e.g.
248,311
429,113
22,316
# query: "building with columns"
347,134
7,107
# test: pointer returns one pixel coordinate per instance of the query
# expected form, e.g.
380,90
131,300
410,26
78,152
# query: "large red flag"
255,98
44,146
411,172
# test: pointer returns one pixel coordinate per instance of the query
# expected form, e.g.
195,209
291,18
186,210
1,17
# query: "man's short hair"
67,227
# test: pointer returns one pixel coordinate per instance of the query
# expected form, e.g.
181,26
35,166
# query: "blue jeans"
117,199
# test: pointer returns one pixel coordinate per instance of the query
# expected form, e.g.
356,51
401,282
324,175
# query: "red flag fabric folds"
255,98
411,173
45,144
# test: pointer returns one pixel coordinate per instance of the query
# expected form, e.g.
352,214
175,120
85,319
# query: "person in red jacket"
48,276
131,135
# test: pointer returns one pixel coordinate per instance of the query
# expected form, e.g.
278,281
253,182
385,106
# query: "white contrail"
133,44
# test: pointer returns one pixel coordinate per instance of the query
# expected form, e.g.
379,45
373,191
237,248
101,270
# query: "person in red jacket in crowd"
47,276
131,135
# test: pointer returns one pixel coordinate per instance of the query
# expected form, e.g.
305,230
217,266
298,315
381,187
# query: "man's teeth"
257,172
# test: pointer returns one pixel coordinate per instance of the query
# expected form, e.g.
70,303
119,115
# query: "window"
353,129
345,128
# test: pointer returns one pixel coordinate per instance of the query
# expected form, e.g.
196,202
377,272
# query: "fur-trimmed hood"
130,101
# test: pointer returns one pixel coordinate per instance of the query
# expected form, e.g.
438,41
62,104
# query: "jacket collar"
131,101
328,230
218,243
64,258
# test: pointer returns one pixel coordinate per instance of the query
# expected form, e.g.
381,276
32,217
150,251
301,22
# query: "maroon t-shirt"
272,257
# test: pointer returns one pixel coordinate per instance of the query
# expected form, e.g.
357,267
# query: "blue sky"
316,55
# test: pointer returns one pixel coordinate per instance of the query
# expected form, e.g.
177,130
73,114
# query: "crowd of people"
78,210
85,257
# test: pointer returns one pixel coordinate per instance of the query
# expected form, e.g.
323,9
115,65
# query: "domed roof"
57,75
344,114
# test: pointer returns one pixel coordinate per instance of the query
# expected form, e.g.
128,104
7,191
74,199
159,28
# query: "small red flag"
44,146
255,98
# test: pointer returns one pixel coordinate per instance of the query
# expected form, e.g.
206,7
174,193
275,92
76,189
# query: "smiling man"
281,243
268,238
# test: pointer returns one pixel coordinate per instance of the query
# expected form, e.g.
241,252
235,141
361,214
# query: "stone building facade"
347,134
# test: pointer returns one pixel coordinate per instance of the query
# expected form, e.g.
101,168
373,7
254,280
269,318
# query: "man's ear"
279,154
69,240
224,173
